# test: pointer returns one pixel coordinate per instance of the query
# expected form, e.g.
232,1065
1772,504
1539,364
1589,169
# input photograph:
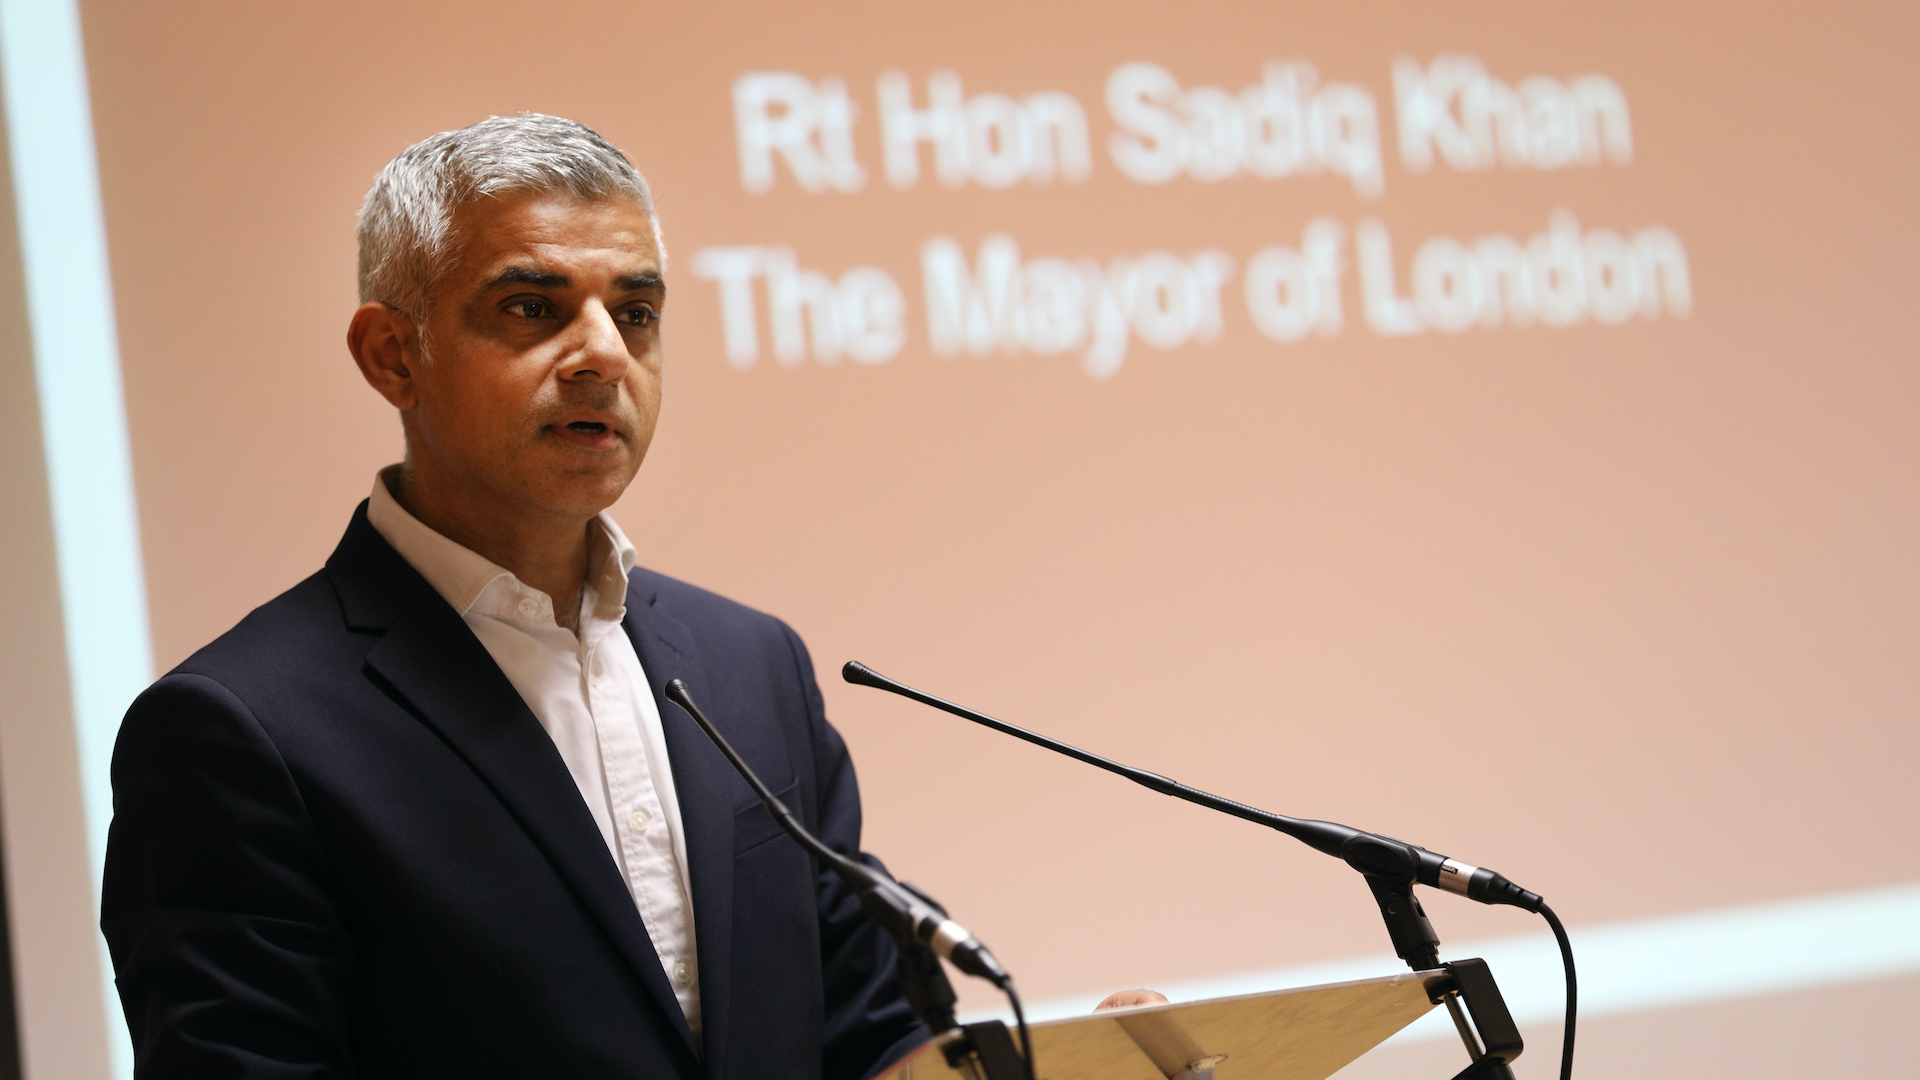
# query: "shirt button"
529,607
641,819
681,973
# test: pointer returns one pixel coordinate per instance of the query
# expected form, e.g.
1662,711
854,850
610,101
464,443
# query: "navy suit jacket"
343,846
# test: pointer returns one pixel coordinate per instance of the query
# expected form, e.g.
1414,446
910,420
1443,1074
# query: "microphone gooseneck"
904,912
1374,855
1391,867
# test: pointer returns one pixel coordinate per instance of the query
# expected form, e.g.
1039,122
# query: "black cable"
1020,1021
1573,990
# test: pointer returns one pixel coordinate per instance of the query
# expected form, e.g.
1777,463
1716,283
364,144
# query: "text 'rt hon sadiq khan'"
427,814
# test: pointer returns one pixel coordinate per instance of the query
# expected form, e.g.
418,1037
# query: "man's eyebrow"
528,275
644,279
548,279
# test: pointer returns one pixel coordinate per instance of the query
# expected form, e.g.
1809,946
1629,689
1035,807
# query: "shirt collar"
461,575
610,558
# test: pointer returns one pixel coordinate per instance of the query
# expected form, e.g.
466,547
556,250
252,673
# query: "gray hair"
406,222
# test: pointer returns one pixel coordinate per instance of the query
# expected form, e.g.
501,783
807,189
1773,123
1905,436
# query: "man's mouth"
586,427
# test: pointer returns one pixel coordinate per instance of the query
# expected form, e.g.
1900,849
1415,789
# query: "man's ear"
385,343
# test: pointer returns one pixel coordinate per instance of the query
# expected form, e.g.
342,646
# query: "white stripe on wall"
82,409
1633,966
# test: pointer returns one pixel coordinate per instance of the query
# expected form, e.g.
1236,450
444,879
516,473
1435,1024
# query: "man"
427,813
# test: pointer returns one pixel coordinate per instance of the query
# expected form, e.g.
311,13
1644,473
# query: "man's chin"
584,492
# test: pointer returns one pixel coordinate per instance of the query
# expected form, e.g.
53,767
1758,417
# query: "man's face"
542,381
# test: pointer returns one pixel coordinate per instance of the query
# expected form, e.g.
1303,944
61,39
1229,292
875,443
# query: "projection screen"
1492,426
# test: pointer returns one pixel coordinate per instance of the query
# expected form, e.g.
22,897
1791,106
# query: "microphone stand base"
1487,1068
985,1051
1493,1039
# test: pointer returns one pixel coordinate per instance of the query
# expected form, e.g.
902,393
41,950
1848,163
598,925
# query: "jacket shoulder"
282,637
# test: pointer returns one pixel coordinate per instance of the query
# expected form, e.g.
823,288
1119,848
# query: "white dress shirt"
589,692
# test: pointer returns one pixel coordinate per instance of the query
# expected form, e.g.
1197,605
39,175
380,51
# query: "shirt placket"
638,819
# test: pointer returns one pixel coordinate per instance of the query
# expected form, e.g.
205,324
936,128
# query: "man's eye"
530,309
641,316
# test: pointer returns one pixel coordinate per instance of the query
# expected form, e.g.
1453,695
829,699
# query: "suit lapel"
705,784
431,659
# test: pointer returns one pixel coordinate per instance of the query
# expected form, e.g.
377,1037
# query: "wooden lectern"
1304,1034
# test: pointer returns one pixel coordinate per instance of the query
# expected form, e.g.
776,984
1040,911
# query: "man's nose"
595,347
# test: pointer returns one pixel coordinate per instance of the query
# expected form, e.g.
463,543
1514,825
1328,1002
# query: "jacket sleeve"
869,1024
231,957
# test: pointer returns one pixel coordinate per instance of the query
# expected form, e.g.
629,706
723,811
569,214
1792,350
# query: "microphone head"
677,693
860,674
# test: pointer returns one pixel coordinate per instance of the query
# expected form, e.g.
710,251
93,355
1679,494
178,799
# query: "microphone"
909,915
1391,867
1376,856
